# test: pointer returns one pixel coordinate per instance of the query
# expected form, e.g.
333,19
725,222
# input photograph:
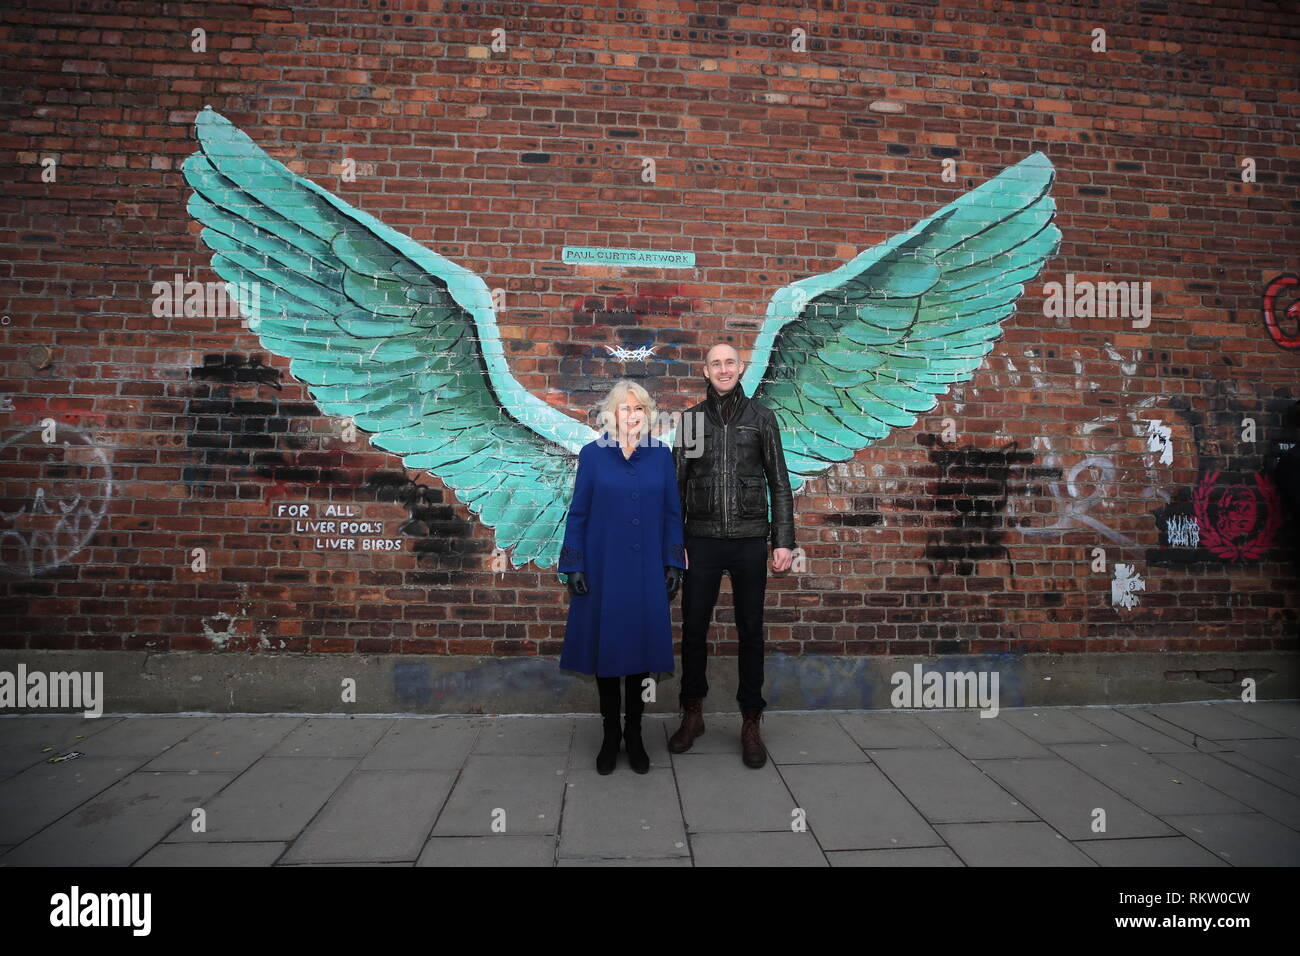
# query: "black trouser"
746,560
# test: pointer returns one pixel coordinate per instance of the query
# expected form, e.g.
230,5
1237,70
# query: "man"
729,461
1286,476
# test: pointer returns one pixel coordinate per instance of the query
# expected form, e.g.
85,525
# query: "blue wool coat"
624,527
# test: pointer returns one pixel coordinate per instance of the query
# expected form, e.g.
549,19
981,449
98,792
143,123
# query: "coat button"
636,520
634,496
636,547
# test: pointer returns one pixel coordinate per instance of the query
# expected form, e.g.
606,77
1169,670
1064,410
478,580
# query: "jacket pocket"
753,497
697,498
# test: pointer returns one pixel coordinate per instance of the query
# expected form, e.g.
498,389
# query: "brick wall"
151,463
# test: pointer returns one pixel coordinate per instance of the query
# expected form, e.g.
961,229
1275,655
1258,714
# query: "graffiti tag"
45,528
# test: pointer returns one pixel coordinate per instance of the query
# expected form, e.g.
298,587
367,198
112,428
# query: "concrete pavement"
1212,784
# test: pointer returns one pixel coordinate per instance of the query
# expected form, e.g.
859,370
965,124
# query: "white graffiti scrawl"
48,517
1184,532
1089,494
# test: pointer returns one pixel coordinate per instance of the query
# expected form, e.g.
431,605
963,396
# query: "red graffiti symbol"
1231,526
1288,342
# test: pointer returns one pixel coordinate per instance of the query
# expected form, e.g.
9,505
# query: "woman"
623,558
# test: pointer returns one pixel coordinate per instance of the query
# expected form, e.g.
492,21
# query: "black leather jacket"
725,470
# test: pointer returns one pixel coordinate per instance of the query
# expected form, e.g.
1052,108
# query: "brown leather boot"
692,725
751,742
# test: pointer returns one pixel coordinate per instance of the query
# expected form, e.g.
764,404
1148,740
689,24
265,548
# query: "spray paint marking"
49,528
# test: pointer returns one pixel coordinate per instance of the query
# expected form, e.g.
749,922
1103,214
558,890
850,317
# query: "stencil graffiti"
1238,522
1233,504
46,526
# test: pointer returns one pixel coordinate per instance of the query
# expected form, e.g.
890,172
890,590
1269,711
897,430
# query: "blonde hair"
607,411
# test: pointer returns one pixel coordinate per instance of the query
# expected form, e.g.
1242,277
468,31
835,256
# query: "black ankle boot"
607,759
636,755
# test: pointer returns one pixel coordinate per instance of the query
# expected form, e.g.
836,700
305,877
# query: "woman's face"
631,416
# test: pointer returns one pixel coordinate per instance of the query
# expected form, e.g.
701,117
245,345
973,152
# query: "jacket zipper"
726,444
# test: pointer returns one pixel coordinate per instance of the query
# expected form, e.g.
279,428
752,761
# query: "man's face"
723,368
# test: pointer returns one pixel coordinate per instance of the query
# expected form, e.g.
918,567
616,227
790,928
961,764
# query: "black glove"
577,582
672,580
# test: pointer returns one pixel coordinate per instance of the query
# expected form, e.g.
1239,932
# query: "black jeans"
746,560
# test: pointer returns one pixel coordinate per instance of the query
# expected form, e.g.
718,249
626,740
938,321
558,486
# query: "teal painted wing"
844,358
389,333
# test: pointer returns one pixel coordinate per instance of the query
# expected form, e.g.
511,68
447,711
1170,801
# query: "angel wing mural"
405,341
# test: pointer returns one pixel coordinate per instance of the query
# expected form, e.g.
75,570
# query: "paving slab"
1243,839
120,825
721,734
1256,769
1257,794
589,734
947,788
1011,844
1210,722
1065,797
622,814
213,854
226,743
1282,754
375,816
526,791
1165,851
1147,781
1281,716
362,863
1055,726
981,738
637,861
26,740
718,792
808,738
270,802
1123,725
499,849
34,798
1209,784
141,736
1161,726
332,737
856,807
888,731
511,735
756,849
911,856
422,744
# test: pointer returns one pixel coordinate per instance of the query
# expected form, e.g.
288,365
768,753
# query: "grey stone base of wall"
140,682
